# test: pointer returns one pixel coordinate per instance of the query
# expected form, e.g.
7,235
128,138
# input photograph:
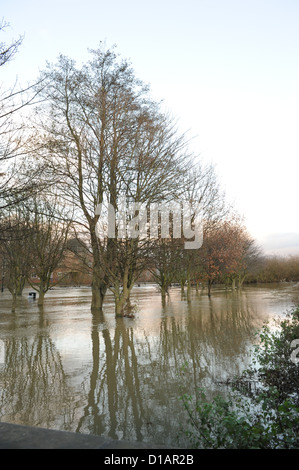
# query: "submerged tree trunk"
209,287
20,283
182,287
163,290
14,302
99,283
188,289
119,306
43,289
241,280
14,299
122,296
164,293
41,297
98,292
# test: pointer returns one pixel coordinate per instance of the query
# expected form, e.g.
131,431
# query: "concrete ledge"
15,436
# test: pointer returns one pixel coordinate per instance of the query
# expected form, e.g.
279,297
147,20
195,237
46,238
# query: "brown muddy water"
63,368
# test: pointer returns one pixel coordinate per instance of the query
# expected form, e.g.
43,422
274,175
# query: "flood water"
63,368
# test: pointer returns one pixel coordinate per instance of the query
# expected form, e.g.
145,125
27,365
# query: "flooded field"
64,368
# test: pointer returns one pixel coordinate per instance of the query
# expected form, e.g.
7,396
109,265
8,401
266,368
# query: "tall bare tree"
104,136
15,184
173,262
15,252
48,242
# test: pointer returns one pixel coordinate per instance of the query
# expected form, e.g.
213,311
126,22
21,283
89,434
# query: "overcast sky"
227,69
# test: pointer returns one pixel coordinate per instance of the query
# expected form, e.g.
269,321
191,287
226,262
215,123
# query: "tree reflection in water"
114,403
33,383
135,382
134,371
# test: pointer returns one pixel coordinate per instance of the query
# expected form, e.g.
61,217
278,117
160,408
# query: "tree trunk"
182,288
163,294
121,302
99,283
41,296
16,284
14,302
98,291
20,283
188,289
241,281
122,297
119,306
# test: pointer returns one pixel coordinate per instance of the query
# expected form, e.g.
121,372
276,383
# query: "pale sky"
227,69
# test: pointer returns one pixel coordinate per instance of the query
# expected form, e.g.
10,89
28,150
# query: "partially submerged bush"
262,410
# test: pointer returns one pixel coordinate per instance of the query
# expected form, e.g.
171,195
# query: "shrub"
262,408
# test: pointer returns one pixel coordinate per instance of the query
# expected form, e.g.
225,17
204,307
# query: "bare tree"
203,194
7,51
15,253
164,263
251,260
48,243
15,184
105,137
